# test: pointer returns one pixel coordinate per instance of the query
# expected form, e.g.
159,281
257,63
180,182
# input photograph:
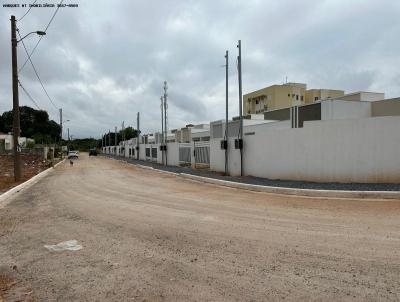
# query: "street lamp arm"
40,33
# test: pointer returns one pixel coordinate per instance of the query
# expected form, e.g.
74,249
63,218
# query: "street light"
16,118
38,32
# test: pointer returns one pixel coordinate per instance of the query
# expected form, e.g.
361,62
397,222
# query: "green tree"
7,121
1,123
34,124
129,133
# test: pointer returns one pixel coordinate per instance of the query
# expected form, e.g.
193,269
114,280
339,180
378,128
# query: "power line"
30,7
51,20
37,75
29,96
41,37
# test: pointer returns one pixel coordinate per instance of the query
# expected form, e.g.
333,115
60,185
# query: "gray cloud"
106,60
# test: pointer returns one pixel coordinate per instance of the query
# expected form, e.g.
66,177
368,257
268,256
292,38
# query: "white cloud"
104,61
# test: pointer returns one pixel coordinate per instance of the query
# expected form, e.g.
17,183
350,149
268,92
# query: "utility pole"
61,134
240,142
123,130
165,120
68,139
115,143
226,112
109,140
137,135
123,136
162,128
61,125
16,121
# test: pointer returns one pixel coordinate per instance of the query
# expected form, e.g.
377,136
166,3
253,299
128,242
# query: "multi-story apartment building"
285,95
314,95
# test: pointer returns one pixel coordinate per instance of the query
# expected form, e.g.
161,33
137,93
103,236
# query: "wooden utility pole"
16,118
109,141
115,143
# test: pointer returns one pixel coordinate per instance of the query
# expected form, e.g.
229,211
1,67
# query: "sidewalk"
263,181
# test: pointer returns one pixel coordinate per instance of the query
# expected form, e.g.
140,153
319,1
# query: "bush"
30,145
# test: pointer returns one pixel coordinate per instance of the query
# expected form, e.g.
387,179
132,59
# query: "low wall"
173,154
364,150
354,150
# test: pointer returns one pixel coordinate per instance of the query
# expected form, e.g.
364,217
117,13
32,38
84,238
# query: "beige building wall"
274,97
313,95
389,107
363,96
282,96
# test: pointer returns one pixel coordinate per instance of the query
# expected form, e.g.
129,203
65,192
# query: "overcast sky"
105,60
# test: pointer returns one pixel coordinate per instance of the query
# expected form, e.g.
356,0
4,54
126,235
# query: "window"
302,98
288,95
297,97
316,98
257,102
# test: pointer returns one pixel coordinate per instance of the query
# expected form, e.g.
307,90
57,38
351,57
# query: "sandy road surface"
148,236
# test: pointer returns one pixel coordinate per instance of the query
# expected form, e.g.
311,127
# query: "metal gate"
202,154
154,153
148,153
185,154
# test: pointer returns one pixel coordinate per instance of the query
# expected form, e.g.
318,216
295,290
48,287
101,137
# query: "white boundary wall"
336,109
351,150
173,154
345,150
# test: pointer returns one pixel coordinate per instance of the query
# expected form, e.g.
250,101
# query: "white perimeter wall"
173,154
353,150
336,109
142,151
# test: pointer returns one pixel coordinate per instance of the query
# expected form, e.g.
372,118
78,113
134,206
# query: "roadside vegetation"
35,124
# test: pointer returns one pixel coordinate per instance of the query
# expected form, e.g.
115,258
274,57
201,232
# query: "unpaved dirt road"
149,236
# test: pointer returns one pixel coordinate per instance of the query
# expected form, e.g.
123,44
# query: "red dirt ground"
31,165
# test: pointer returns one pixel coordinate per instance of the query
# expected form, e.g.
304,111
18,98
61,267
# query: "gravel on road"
130,234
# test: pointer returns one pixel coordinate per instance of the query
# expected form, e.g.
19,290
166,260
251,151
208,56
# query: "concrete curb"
144,167
25,185
284,190
297,192
155,170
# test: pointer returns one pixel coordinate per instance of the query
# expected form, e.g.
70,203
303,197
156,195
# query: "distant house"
7,143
